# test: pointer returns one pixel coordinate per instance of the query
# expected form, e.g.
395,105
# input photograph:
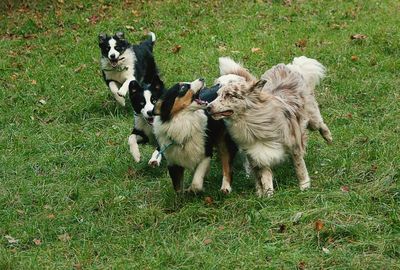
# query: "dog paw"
194,189
304,186
226,191
121,93
264,193
120,100
154,163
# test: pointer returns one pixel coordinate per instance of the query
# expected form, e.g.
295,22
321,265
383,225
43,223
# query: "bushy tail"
150,40
312,70
228,66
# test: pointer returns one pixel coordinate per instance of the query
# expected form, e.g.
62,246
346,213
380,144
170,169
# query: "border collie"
122,63
187,136
143,100
269,118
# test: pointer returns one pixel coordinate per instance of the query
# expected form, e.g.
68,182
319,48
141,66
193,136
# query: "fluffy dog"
143,100
269,118
123,63
187,136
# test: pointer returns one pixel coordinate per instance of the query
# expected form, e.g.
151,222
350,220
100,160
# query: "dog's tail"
150,40
312,70
228,66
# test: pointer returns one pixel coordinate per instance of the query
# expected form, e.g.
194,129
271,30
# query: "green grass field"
71,196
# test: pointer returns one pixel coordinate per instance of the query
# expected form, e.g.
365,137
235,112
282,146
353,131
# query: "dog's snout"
209,108
150,112
112,56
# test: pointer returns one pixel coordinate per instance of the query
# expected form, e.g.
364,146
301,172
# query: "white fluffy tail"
228,66
153,36
312,70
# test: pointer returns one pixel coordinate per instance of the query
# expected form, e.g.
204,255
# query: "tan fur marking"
182,102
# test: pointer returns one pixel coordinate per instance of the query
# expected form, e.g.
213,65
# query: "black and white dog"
123,63
132,68
143,100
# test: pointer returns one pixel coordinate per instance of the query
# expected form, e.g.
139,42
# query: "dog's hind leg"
227,155
114,89
301,169
264,184
176,173
199,174
315,120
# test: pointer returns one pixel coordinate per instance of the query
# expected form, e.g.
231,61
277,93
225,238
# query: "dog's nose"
150,113
209,108
112,56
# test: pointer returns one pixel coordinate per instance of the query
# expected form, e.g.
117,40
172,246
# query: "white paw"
195,188
121,93
226,186
226,190
120,100
153,162
264,192
306,185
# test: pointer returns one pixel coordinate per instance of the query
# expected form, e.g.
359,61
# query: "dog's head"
181,97
113,47
236,85
143,98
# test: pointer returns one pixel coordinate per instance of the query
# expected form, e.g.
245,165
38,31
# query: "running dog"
187,136
268,119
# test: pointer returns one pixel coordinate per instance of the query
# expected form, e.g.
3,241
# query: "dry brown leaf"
37,242
207,241
208,200
358,36
255,50
176,49
319,225
221,228
301,265
349,116
94,19
51,216
301,43
11,240
354,58
345,188
77,266
64,237
135,13
221,48
33,82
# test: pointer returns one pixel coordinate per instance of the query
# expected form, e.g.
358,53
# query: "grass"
72,197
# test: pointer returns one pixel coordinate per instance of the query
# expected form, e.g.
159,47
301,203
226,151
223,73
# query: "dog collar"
162,150
117,69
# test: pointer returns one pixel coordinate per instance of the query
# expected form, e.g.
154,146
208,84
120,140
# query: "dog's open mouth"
114,62
201,102
223,113
150,120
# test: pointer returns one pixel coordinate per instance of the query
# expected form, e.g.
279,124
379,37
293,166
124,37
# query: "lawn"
71,196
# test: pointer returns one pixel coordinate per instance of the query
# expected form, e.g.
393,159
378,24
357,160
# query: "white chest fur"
125,69
187,133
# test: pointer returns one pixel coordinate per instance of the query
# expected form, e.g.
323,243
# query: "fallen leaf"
77,266
301,265
42,101
11,240
37,242
354,58
349,115
208,200
221,48
330,240
94,19
255,50
301,43
345,188
60,1
319,225
374,167
176,49
78,69
207,241
325,250
130,28
98,133
33,82
135,13
64,237
287,3
221,228
296,218
358,36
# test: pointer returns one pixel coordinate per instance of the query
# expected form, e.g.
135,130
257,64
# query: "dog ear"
157,83
134,87
120,35
259,85
102,38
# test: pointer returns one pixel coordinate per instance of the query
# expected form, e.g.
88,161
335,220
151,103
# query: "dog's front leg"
155,159
199,174
176,173
134,147
114,89
125,87
301,169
